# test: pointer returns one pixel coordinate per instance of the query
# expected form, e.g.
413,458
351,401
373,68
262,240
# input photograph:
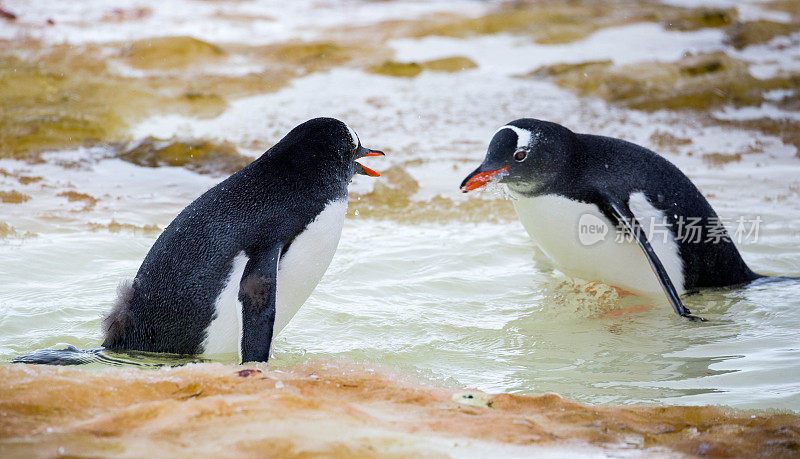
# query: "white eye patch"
353,136
523,136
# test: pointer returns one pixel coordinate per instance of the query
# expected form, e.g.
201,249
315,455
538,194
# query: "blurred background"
113,117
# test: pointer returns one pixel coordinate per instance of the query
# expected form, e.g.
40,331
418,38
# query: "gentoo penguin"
237,263
564,184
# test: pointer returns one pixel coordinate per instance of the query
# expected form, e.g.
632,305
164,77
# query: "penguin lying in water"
236,264
561,183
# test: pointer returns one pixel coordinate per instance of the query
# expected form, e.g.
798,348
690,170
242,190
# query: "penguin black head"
329,142
526,154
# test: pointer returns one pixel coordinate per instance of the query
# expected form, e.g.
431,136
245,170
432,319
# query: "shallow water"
466,304
463,304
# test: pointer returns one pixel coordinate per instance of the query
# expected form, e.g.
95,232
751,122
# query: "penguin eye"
520,155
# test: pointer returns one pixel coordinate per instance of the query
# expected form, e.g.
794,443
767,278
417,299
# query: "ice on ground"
253,22
512,55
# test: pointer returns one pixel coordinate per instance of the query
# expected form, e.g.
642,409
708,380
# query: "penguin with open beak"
236,264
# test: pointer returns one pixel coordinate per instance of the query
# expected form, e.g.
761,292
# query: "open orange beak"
480,179
364,170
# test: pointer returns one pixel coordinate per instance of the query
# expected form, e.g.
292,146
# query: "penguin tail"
117,323
115,326
762,279
70,355
753,278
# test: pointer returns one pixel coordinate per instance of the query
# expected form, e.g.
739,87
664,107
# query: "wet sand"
341,409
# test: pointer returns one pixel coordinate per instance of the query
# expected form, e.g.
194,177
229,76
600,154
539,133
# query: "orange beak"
364,170
368,171
480,179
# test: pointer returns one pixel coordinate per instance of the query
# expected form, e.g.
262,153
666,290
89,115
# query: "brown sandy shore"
338,409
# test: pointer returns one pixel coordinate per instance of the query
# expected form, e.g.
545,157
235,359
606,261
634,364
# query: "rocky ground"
342,410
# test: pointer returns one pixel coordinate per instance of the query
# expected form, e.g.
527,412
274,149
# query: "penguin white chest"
300,269
562,229
306,260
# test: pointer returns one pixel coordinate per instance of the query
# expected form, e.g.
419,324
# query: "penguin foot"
688,315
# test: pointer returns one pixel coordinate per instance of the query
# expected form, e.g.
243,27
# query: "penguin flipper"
623,214
257,293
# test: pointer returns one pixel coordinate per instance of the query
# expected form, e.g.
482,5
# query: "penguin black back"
272,199
709,261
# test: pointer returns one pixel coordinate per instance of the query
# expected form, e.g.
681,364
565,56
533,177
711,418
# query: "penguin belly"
300,269
553,222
